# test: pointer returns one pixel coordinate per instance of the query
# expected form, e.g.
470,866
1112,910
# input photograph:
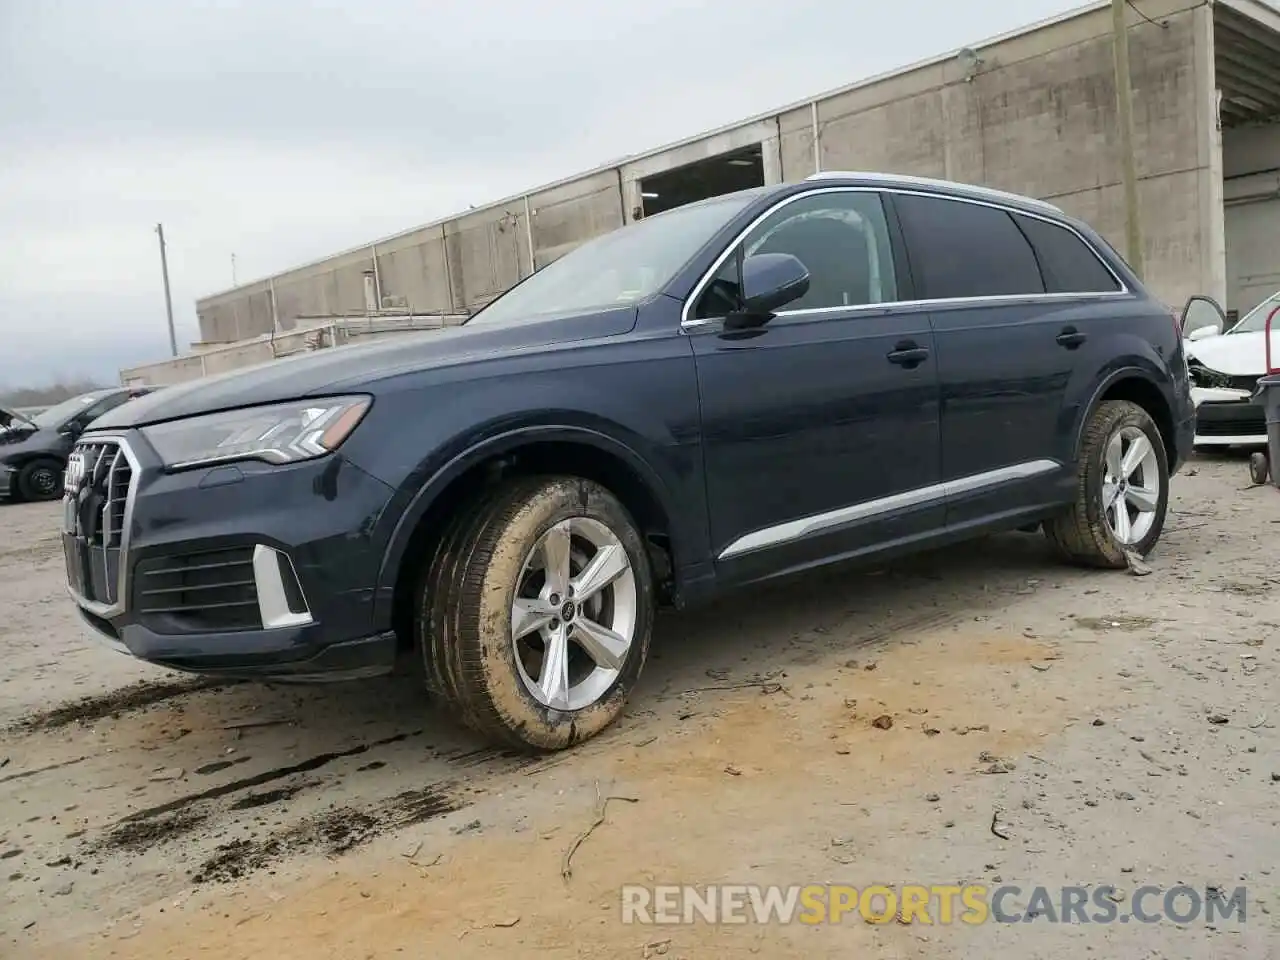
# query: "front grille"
107,469
1242,419
204,592
97,487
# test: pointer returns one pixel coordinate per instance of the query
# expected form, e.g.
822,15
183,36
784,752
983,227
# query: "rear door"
1013,300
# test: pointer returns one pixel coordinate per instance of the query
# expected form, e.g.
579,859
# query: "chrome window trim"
688,322
793,530
933,183
109,610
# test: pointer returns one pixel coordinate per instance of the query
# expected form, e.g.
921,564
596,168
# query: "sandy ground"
981,715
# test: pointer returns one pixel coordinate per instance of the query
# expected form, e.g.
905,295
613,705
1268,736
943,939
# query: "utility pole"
1124,112
168,300
233,269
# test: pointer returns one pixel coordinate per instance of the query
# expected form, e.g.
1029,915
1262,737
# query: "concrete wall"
1250,151
1037,116
1251,163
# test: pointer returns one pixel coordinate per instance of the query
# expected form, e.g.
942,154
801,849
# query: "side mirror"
72,428
769,281
1202,317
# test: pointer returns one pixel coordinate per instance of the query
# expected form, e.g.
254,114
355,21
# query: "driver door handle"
1071,338
908,353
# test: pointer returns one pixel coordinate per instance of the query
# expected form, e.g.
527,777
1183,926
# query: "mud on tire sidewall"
1121,415
442,603
489,654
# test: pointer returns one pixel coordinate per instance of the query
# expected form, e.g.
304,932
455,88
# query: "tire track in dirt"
258,779
130,699
332,832
235,805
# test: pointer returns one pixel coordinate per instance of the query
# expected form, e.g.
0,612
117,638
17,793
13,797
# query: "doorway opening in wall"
712,177
1247,74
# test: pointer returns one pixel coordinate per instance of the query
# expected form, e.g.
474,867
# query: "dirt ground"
1045,726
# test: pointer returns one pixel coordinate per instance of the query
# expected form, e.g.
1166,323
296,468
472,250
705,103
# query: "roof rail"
909,181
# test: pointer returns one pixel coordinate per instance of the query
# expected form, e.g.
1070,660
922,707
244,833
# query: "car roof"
970,191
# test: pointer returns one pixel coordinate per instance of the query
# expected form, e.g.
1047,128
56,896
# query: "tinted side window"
963,249
721,296
1067,262
841,237
102,406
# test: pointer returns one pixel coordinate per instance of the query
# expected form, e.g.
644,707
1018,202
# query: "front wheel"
1122,489
40,480
535,614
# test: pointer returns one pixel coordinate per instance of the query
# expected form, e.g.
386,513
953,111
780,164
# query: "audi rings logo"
74,477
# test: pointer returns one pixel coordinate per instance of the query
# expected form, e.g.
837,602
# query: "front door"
820,429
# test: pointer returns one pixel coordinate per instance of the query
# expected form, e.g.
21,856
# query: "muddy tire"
1122,489
534,614
40,480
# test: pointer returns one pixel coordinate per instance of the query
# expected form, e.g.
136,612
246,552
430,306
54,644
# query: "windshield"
55,416
619,268
1255,320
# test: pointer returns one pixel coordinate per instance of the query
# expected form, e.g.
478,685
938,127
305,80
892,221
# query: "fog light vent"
280,599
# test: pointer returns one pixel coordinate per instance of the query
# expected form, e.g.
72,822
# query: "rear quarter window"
1069,265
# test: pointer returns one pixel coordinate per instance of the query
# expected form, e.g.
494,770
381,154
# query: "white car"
1225,367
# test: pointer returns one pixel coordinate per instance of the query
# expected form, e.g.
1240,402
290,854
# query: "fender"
20,458
494,446
1128,372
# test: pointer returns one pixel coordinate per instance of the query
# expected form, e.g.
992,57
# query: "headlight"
279,433
1202,376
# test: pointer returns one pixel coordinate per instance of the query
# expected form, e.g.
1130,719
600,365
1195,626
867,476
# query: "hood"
12,419
14,427
353,368
1237,354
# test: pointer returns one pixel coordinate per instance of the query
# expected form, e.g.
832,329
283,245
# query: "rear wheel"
40,480
1122,489
535,614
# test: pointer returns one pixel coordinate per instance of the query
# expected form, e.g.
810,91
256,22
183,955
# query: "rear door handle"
908,354
1071,338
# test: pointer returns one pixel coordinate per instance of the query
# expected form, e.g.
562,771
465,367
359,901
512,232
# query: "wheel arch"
1137,386
25,457
572,450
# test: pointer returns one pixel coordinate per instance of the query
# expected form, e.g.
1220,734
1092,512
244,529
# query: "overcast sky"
282,131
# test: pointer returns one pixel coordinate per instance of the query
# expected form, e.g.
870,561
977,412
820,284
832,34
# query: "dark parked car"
850,367
34,450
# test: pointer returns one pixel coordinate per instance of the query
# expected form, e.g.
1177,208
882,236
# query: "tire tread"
1080,534
451,601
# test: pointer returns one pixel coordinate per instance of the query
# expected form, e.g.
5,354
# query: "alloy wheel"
1131,485
573,619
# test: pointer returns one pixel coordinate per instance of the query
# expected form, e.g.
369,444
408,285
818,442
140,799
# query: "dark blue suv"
850,367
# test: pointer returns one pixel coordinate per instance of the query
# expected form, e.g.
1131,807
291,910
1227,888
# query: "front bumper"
8,481
1227,418
240,570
